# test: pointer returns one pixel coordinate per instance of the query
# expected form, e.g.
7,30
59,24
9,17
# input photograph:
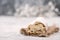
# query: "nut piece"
23,31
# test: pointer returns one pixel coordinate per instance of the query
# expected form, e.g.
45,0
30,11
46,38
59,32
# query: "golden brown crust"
52,30
38,29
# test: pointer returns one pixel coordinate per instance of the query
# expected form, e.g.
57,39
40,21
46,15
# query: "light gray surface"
10,26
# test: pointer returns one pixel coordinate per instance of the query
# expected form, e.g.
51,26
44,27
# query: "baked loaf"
39,29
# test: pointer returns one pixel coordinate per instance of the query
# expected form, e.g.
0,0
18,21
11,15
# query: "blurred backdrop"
30,8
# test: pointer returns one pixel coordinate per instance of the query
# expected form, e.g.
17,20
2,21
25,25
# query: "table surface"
10,28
